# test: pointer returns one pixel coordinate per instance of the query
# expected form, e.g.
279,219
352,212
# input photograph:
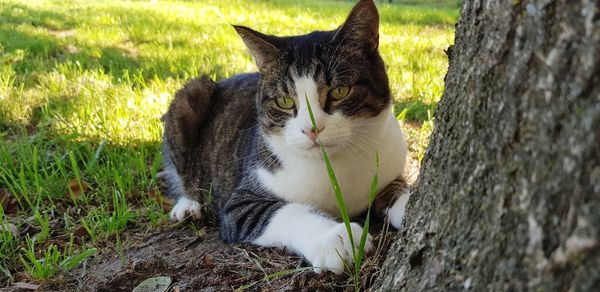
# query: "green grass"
52,260
83,84
358,252
101,224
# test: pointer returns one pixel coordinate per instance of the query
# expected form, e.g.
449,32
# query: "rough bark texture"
509,192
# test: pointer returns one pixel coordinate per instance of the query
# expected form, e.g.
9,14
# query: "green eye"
340,92
285,102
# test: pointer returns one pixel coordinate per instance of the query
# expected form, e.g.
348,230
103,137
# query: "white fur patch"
185,207
305,88
395,214
303,181
322,241
352,146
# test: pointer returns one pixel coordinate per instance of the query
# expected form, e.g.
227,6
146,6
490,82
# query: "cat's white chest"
305,180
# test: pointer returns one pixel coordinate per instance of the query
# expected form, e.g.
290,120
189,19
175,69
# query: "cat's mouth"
317,145
315,151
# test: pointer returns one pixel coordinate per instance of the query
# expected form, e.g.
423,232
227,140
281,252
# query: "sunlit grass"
83,84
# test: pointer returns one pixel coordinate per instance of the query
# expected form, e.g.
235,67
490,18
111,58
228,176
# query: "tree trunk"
509,192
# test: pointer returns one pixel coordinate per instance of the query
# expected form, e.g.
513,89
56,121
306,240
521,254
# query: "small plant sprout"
8,244
53,260
105,224
357,253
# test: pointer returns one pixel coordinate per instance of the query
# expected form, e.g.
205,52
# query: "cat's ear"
361,26
262,47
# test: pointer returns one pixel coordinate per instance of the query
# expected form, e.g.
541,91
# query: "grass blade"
357,253
365,233
334,182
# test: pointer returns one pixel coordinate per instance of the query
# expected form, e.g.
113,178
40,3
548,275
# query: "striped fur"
229,147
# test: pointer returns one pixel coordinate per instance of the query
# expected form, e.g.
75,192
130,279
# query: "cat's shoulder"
240,84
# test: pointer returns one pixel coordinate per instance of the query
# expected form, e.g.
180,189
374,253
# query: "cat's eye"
285,102
339,92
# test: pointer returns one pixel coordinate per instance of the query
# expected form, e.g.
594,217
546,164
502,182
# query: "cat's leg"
184,205
324,242
181,139
391,202
267,221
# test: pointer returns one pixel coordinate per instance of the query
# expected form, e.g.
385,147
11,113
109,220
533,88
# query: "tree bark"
509,192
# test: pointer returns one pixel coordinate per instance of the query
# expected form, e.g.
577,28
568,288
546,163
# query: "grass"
357,252
52,260
83,84
101,224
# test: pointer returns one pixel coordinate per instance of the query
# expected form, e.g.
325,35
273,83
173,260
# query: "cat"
246,145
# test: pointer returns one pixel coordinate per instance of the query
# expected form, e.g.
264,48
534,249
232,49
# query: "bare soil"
197,260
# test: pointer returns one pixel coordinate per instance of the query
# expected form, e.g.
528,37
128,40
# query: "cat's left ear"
262,47
361,26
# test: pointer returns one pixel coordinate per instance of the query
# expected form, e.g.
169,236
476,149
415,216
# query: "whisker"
357,153
377,144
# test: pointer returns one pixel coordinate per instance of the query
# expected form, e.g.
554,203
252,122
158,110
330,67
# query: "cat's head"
341,74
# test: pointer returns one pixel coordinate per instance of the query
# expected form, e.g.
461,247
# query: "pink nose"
312,133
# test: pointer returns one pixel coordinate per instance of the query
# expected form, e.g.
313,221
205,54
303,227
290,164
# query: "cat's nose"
311,132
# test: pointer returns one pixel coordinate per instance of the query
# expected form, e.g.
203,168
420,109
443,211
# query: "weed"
52,260
8,245
357,253
101,224
44,223
42,268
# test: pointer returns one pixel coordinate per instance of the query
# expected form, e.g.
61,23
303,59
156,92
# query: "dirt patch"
199,261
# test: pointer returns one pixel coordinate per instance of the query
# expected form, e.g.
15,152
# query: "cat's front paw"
333,249
395,214
185,207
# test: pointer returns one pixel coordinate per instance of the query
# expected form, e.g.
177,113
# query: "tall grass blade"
357,253
334,182
365,233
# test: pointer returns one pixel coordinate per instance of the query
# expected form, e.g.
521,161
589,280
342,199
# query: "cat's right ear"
262,47
361,26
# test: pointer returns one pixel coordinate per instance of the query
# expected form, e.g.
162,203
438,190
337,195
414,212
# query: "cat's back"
230,130
232,109
240,87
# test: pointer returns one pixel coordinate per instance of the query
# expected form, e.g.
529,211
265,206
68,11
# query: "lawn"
84,83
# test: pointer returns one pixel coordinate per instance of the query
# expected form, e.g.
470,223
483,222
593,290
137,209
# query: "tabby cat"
247,144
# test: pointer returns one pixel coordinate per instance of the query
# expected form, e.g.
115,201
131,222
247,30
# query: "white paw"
185,207
395,214
333,249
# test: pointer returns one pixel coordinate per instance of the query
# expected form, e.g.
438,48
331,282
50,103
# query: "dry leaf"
9,202
208,261
10,227
21,276
80,232
75,189
165,201
26,286
154,284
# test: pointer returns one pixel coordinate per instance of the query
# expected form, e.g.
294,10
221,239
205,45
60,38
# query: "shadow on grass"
36,40
33,51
